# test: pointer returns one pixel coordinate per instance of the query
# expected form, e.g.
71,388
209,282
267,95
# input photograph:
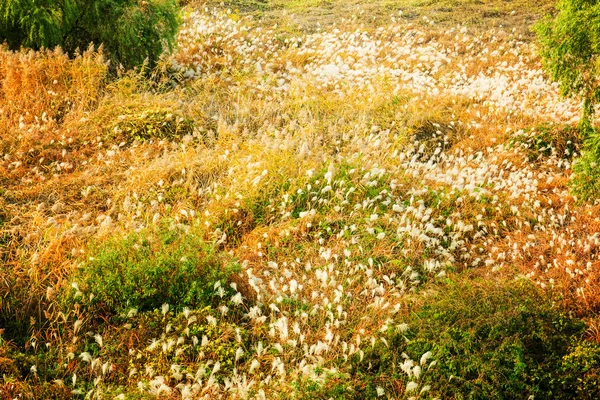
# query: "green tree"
570,49
570,45
131,31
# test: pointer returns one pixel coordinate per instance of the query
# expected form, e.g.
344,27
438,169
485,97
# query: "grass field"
320,199
312,14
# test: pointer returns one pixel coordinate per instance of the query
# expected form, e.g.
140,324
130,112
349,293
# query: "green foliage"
487,340
32,23
330,386
585,183
570,44
130,31
148,269
153,123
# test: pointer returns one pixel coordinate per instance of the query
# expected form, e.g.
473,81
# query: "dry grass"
40,87
294,15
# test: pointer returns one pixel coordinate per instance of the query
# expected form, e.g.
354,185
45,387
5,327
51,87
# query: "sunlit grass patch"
316,13
38,88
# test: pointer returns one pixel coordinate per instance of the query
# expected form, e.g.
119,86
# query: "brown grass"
293,15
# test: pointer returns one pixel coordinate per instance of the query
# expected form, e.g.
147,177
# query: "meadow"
310,200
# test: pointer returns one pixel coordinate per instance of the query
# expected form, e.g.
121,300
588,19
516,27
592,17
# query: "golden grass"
39,87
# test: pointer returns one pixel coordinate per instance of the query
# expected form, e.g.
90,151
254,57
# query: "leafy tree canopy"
570,45
130,31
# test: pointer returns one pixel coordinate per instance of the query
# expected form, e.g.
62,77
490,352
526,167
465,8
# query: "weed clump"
434,135
191,340
153,123
482,340
561,141
148,269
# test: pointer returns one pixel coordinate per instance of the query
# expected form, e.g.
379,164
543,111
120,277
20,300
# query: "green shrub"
130,31
148,269
585,183
488,340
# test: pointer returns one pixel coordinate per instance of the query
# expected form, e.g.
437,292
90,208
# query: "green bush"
487,340
585,183
148,269
130,31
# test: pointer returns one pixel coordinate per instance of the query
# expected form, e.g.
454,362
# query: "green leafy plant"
148,269
580,370
585,183
485,340
131,32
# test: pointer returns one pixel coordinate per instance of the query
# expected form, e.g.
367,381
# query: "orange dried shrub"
43,86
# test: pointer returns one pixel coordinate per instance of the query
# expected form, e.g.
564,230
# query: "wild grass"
291,15
384,186
38,87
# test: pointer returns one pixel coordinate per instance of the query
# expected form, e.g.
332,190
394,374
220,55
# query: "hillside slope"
333,207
